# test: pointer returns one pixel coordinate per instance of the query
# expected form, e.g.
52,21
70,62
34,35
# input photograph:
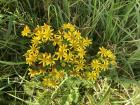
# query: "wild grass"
111,23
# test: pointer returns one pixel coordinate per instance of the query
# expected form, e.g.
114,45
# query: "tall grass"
111,23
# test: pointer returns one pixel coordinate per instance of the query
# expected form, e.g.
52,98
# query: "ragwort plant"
56,54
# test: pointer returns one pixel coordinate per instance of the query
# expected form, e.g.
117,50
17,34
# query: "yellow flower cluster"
53,54
106,58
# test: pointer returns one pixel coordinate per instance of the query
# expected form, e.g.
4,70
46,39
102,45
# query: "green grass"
114,24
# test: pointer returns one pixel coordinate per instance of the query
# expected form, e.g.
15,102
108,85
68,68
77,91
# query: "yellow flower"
30,59
61,52
79,66
111,55
74,44
69,36
87,42
46,59
47,32
34,49
33,73
63,48
81,52
95,64
57,40
32,54
103,52
68,57
92,75
26,31
105,64
43,32
68,26
83,43
77,34
47,27
106,53
35,41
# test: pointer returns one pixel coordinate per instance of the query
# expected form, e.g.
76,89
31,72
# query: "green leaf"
12,63
105,97
135,56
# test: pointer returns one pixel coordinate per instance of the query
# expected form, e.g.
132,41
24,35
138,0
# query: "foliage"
110,23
